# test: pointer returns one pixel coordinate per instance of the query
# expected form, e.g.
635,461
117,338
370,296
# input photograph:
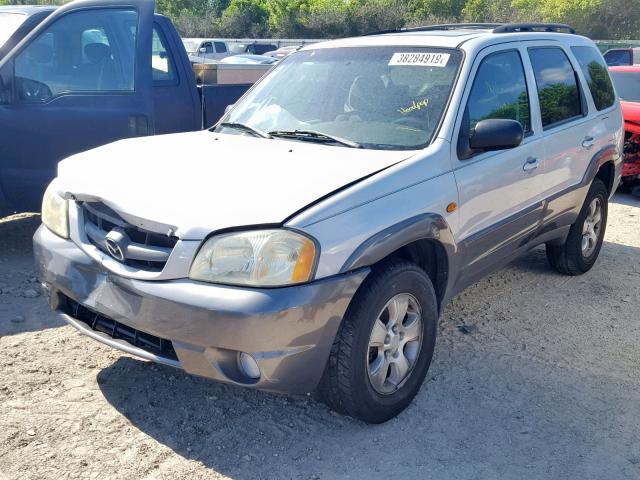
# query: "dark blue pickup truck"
86,74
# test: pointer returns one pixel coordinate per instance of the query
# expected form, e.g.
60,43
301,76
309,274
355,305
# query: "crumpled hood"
202,181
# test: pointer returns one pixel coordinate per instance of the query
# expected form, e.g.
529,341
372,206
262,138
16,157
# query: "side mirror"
202,50
228,108
496,134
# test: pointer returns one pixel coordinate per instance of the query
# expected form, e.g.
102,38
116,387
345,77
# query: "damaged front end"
631,166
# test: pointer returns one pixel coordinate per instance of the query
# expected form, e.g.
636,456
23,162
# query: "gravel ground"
546,387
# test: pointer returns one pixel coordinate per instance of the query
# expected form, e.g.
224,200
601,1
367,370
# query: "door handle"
531,164
138,125
588,143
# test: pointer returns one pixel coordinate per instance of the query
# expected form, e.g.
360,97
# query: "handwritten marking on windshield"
419,105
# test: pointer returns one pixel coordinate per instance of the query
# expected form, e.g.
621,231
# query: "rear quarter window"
595,72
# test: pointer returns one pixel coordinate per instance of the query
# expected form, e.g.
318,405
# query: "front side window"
86,51
377,97
595,71
627,84
190,46
208,47
499,91
557,85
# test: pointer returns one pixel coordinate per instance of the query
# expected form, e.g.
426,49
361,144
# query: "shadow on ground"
485,395
626,198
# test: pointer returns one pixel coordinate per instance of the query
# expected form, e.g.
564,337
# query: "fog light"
248,365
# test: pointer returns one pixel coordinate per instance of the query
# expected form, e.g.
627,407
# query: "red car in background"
627,82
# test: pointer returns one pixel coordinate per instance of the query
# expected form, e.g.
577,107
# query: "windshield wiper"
246,128
314,136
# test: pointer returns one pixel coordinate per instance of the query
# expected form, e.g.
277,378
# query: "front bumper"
289,331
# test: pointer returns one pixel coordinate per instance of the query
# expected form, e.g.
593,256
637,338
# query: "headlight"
55,212
259,258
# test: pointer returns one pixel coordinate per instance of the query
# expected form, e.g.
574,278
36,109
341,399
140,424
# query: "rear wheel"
383,349
582,246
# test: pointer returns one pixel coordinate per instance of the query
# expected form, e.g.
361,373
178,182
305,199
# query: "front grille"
98,322
99,220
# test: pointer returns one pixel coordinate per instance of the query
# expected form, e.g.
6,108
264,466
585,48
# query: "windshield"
628,85
9,23
189,46
377,97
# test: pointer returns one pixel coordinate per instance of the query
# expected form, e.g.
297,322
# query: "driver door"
80,80
499,192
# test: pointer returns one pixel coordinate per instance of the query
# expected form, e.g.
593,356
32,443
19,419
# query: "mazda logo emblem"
116,242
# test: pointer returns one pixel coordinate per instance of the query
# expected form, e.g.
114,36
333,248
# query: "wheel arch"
424,239
607,172
605,165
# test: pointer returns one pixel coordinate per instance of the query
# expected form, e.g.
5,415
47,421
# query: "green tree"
428,9
245,18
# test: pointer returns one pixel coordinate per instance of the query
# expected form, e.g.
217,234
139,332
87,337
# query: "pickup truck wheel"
384,346
582,246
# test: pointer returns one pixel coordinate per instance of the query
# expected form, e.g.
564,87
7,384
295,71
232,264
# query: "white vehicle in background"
247,59
206,48
283,52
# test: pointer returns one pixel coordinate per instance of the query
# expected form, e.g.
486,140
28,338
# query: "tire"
571,258
347,385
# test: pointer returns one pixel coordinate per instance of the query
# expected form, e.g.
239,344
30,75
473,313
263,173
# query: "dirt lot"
547,387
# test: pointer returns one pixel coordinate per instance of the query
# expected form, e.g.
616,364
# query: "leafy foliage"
600,19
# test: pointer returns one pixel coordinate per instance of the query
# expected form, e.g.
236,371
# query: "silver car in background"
311,239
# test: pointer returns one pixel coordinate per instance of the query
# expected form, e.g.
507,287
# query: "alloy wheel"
592,227
394,344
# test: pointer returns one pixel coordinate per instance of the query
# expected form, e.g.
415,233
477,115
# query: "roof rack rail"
493,27
534,27
444,26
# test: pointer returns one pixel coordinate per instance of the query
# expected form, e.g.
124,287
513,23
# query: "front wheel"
383,349
582,246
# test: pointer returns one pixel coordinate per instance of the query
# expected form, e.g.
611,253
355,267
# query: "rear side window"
557,85
220,47
162,66
499,91
627,85
595,71
616,58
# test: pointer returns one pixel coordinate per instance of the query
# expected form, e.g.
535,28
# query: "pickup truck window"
190,46
9,23
377,97
88,50
162,66
208,46
595,71
499,91
615,58
220,47
557,85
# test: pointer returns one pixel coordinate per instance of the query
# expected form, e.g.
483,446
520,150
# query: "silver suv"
309,241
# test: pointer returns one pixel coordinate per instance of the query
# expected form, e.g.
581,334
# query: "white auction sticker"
420,59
